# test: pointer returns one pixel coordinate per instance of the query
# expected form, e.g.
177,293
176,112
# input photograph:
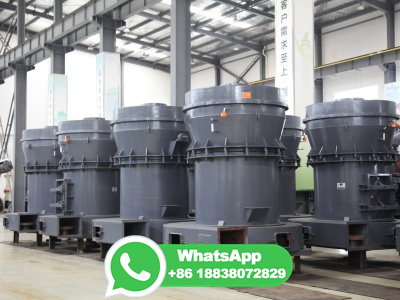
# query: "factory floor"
36,274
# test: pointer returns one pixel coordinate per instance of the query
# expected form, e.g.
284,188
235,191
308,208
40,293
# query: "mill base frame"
354,237
287,235
108,231
23,222
68,227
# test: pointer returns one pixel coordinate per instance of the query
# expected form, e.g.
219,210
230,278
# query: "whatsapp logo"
135,266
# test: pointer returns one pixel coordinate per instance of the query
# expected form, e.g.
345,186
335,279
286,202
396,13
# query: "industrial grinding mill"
235,132
89,188
42,156
152,140
352,155
291,137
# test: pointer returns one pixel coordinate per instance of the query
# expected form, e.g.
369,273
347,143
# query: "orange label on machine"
246,95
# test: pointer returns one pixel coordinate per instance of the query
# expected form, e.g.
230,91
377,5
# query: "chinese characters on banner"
58,97
99,86
284,48
294,38
108,84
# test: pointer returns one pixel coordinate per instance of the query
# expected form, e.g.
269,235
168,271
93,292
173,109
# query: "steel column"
58,57
390,30
389,71
263,66
107,40
318,46
318,82
21,21
108,34
58,9
217,71
390,68
122,83
20,82
319,90
180,51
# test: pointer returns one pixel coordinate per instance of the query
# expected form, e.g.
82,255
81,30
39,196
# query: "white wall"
143,85
340,44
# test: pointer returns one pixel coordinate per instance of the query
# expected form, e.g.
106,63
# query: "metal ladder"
5,137
5,41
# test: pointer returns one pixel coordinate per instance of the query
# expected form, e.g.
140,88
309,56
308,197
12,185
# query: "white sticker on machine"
341,186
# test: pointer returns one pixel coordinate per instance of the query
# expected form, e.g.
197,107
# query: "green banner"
136,266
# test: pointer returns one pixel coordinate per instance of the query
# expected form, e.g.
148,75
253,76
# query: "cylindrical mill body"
291,137
151,141
351,141
42,156
91,182
235,132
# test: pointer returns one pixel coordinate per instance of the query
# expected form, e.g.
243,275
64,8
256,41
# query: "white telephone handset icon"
125,260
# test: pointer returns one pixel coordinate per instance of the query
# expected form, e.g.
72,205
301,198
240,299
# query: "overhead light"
192,62
236,48
90,48
126,29
360,6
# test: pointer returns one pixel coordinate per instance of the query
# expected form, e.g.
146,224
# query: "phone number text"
228,273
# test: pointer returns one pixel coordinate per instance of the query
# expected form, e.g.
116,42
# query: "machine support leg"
39,239
297,265
52,242
103,250
358,258
80,245
16,237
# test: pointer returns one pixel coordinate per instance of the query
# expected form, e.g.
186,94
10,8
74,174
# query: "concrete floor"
32,274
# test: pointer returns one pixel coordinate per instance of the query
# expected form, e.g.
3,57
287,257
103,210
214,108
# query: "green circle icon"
135,267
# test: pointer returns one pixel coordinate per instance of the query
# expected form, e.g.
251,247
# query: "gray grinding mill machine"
89,188
352,155
42,156
152,140
291,138
235,132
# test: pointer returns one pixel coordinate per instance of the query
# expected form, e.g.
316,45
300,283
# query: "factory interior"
200,122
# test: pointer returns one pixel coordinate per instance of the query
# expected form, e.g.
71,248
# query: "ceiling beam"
335,9
15,12
152,45
385,6
73,28
360,13
252,46
8,6
231,39
47,10
247,9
